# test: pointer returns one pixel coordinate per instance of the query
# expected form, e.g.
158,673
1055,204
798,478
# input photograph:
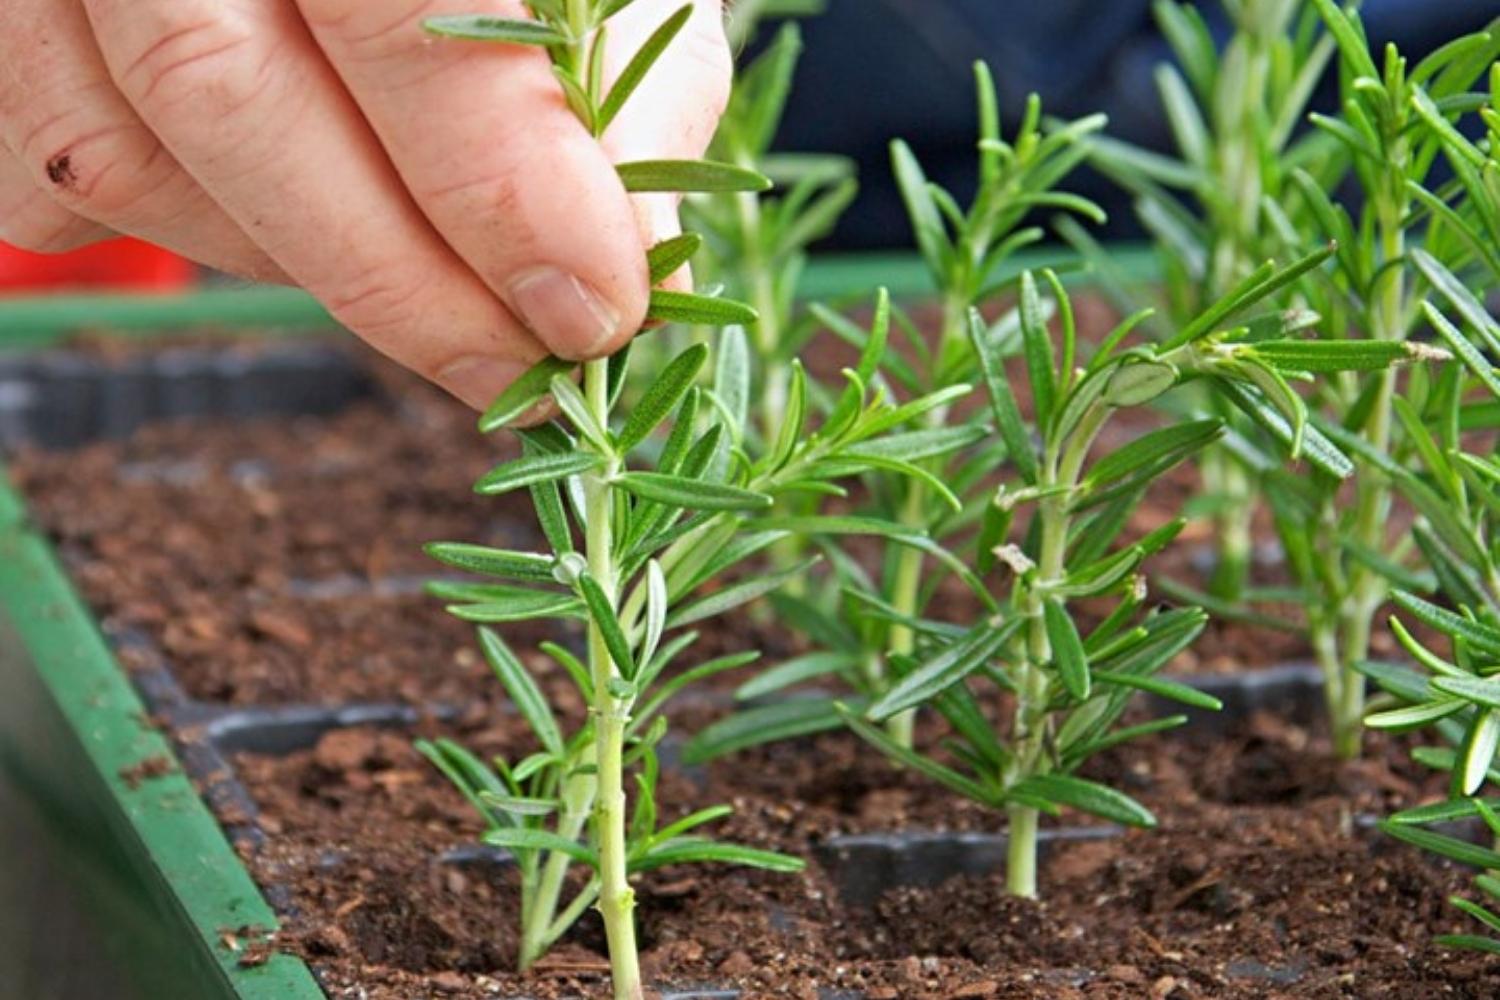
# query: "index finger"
482,137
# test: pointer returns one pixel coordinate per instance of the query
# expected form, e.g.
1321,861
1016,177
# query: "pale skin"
437,196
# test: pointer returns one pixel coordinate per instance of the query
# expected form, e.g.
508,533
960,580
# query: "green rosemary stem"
1367,588
1021,828
1324,636
761,290
1239,166
579,26
905,593
540,910
1225,478
1034,681
611,714
570,916
1031,705
906,587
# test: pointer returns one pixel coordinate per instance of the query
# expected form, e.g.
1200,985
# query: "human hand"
437,196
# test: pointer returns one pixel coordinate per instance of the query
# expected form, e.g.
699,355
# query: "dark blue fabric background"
876,69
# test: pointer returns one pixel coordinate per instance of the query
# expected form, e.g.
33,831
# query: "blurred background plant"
1235,115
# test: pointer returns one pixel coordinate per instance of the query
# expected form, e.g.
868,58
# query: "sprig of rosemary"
1065,688
645,510
1340,551
931,482
1233,113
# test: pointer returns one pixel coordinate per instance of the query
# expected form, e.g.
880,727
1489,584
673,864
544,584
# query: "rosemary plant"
1339,549
1234,115
1469,207
629,547
1064,686
757,243
1459,698
652,540
1455,489
932,476
1451,481
965,251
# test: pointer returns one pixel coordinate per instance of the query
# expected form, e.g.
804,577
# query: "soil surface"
1258,883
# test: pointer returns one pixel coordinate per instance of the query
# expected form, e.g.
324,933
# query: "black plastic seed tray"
60,399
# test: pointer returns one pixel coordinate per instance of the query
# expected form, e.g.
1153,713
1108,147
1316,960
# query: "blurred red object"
115,264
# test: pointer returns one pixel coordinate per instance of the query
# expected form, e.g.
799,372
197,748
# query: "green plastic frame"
164,890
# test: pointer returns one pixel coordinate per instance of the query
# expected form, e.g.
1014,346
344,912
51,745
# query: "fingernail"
478,380
563,311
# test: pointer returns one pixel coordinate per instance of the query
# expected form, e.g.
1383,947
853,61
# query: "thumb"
675,111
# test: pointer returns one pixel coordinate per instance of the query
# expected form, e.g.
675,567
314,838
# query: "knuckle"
376,28
500,181
103,172
377,302
205,62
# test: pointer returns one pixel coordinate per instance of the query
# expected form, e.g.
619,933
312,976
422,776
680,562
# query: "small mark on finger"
60,171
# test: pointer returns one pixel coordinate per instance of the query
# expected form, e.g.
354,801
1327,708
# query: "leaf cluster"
757,245
688,506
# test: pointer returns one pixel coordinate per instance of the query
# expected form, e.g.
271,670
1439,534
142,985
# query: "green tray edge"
160,830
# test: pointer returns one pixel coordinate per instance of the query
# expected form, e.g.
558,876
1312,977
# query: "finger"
514,183
677,106
87,150
675,110
242,97
32,221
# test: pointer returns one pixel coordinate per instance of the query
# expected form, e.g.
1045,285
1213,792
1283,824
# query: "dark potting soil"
1255,885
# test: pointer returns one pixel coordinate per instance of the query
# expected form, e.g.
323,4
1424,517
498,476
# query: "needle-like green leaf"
639,65
1068,656
662,397
689,307
531,839
533,469
481,28
689,175
690,494
524,393
950,666
493,562
523,691
664,258
1085,796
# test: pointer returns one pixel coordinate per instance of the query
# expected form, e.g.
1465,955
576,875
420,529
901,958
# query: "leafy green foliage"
1450,481
1249,185
662,513
688,512
757,244
1066,690
1213,211
933,484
